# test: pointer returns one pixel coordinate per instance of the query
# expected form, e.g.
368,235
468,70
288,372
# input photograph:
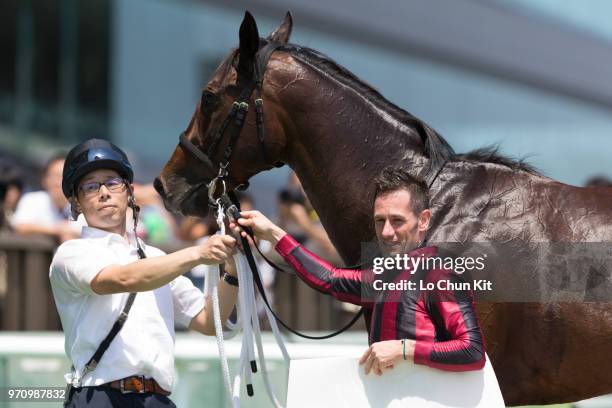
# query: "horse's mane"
490,154
436,147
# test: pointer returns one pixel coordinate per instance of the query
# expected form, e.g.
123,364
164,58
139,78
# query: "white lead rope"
248,320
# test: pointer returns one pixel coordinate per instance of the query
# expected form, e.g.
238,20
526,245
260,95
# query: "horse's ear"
249,44
283,31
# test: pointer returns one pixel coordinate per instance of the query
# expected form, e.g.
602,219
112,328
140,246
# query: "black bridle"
236,116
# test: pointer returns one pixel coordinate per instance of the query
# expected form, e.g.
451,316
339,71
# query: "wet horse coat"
337,133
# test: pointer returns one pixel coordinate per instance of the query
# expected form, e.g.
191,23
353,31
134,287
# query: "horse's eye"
209,99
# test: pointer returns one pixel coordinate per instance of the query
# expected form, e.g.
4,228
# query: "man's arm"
63,231
465,349
152,273
203,322
343,284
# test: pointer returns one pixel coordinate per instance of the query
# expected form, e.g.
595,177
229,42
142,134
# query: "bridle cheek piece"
235,117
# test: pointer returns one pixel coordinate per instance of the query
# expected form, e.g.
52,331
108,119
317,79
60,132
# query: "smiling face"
104,209
398,229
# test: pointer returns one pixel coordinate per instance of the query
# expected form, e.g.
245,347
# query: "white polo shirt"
37,208
145,344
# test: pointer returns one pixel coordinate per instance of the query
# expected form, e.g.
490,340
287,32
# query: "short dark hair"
52,159
10,176
393,178
244,196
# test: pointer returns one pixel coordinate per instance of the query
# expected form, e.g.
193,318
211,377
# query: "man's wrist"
275,235
410,345
197,255
229,279
401,349
230,267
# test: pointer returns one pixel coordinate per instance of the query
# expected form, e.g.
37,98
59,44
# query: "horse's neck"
338,143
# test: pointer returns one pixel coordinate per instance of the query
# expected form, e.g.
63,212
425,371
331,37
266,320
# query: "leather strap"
190,147
138,384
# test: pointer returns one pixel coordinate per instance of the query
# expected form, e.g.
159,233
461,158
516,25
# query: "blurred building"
54,75
532,76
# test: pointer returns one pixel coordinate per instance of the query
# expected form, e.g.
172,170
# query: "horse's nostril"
159,187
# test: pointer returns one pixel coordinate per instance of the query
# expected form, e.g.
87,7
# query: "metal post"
68,75
24,68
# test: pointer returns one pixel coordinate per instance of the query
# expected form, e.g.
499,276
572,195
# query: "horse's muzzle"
159,187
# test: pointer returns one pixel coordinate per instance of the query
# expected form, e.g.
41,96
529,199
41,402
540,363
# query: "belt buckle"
142,389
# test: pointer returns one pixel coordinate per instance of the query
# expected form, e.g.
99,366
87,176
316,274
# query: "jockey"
438,328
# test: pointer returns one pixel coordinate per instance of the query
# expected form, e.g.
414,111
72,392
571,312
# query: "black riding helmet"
94,154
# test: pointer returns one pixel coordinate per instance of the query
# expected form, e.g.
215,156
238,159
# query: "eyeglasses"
114,185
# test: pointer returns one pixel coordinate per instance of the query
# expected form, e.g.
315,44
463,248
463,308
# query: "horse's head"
217,136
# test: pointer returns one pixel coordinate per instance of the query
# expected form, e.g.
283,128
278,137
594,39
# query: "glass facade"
592,16
54,77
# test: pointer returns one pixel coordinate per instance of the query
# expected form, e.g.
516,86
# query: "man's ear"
249,45
44,182
75,207
424,219
283,31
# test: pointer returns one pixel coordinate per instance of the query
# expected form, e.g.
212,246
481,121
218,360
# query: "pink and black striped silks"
443,323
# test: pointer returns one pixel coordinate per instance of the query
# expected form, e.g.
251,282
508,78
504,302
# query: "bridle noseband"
237,115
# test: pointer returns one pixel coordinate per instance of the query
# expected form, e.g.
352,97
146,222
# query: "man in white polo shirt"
125,362
46,211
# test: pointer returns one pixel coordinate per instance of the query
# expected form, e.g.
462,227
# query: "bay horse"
337,133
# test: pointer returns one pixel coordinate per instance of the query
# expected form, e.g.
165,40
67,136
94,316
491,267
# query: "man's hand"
384,354
216,249
262,227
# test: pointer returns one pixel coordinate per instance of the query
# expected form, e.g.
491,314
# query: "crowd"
26,210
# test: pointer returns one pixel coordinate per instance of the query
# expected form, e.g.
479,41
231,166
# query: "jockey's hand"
383,355
262,227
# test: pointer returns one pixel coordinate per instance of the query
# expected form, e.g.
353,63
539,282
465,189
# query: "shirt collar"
424,250
92,232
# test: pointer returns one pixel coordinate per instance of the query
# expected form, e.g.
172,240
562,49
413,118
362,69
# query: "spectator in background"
47,211
156,225
11,187
598,181
192,228
296,215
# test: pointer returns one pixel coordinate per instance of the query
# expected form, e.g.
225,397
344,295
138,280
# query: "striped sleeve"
459,344
343,284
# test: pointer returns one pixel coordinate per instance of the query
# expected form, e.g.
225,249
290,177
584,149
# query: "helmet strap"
135,213
74,213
